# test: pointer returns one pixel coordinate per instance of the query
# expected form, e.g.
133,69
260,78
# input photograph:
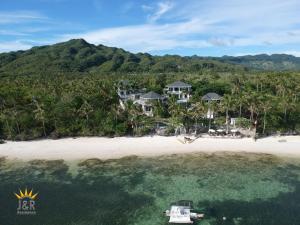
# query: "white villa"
146,101
126,92
211,97
180,89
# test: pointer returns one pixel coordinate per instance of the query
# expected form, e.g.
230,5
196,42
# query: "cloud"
147,8
294,53
146,37
160,9
13,46
221,42
180,24
11,17
205,24
12,33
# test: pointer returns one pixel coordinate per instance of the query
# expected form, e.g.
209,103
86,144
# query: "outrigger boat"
181,212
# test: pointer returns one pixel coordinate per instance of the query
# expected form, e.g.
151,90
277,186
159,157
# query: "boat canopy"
180,214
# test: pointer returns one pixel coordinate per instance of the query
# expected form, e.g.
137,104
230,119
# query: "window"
147,108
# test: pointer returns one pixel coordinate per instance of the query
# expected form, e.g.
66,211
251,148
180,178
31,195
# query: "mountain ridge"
77,55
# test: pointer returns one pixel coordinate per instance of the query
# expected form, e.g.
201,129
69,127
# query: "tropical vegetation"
38,99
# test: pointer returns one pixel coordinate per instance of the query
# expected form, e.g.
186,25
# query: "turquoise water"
248,189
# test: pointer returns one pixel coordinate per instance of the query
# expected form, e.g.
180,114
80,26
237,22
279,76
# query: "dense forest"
69,89
277,62
79,56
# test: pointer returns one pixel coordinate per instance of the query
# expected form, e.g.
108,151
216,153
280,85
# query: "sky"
183,27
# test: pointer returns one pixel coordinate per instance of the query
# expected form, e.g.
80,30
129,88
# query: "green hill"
277,62
79,56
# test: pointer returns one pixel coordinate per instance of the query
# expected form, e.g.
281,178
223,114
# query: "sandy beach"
111,148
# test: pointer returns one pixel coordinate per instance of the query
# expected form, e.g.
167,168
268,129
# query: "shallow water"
247,189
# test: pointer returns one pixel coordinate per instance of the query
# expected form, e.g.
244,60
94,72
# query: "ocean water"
246,189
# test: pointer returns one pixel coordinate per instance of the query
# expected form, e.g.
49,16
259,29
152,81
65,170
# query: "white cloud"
196,24
159,10
206,23
147,8
11,33
294,53
13,46
147,37
10,17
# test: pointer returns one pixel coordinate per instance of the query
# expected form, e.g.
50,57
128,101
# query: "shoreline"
113,148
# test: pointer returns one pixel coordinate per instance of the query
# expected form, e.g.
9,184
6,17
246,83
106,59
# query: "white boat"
181,213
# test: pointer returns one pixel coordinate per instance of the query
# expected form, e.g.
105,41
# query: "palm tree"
40,114
265,105
252,103
197,111
287,102
134,112
227,104
15,114
240,101
4,116
177,112
173,107
158,109
85,110
212,108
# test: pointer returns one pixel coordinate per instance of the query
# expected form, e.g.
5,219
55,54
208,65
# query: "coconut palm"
173,107
197,111
4,116
85,110
212,108
39,114
252,103
134,112
266,104
158,109
240,100
227,104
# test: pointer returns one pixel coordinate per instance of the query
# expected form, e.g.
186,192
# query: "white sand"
108,148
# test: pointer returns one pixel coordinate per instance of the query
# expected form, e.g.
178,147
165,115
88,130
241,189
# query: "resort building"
124,89
146,102
126,92
181,90
209,98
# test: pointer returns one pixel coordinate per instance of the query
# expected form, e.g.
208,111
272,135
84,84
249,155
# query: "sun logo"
26,194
